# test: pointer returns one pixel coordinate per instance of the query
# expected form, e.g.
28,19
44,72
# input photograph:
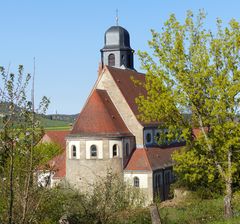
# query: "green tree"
195,71
20,131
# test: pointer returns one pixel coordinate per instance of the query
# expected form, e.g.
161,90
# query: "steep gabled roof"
124,80
99,117
139,161
147,159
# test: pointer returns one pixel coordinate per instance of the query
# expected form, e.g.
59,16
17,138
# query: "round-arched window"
115,150
74,151
136,182
93,150
111,60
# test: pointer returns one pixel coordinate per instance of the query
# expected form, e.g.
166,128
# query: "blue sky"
65,38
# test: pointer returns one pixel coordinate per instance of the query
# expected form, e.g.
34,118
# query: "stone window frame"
95,151
74,152
115,150
148,132
136,181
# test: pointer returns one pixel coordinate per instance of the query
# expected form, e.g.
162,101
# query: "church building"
108,135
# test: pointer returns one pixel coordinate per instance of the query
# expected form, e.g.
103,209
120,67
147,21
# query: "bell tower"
117,51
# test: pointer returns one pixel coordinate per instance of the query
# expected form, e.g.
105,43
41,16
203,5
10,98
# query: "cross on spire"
117,19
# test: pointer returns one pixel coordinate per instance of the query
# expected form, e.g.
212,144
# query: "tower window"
74,152
111,60
115,150
93,151
136,182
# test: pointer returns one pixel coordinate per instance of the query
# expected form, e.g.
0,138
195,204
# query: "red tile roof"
99,117
58,163
148,159
57,137
124,80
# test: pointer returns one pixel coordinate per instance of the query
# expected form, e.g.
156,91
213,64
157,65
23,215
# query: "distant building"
56,171
108,134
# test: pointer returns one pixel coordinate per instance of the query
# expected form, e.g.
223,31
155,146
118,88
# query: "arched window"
127,149
111,60
74,151
115,150
136,182
149,138
93,151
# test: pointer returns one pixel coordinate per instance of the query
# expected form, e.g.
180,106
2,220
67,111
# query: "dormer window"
111,60
93,151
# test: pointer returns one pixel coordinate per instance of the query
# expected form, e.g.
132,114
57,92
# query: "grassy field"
197,211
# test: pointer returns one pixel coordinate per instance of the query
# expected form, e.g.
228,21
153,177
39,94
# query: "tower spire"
117,19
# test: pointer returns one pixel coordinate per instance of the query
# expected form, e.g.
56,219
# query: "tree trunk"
228,213
10,212
228,182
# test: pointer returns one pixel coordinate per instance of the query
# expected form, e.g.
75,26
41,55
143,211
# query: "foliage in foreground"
198,211
20,131
110,200
195,71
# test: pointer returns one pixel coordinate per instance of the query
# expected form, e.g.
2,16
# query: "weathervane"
117,17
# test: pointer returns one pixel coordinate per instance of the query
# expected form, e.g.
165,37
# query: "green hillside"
49,122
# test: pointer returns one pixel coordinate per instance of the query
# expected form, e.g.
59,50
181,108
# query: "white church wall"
143,179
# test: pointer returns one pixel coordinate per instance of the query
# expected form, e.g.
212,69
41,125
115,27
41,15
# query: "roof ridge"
147,158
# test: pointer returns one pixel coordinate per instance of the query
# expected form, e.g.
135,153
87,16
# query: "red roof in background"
130,91
57,137
151,158
58,163
100,117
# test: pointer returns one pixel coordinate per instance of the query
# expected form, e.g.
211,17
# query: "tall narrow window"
127,149
111,60
93,151
136,182
74,152
115,150
149,138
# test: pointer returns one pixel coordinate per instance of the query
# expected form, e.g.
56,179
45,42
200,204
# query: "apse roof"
99,117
